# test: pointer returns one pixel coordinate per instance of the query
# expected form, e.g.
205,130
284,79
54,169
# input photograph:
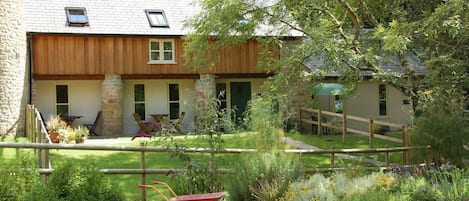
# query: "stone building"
14,82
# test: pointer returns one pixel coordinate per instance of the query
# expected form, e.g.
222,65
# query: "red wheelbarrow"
194,197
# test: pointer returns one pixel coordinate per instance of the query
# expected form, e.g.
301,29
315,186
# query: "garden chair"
146,128
178,122
92,127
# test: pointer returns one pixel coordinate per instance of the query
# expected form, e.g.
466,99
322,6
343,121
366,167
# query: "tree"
349,37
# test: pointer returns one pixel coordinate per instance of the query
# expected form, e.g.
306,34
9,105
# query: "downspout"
30,58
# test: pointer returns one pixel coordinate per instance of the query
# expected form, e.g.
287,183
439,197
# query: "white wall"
156,99
84,98
365,104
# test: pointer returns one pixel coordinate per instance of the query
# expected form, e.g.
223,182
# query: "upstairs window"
157,18
76,16
161,51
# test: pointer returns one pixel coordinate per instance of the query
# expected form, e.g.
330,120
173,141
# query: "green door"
240,94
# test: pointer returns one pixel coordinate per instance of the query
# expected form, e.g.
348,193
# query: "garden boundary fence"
45,169
318,118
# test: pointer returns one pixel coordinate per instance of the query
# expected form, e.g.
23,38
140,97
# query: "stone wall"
112,105
14,75
298,97
206,84
205,89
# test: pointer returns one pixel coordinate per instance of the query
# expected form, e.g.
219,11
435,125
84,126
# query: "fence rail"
143,171
308,114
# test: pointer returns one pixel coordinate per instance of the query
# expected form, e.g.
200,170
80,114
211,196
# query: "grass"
352,141
154,160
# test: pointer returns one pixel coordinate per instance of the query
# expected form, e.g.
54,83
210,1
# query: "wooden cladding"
55,54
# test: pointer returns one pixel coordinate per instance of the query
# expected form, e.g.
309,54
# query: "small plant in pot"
54,124
81,133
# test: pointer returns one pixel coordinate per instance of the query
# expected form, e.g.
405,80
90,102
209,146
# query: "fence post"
44,162
300,125
370,128
405,144
142,166
319,122
344,126
332,158
28,123
386,156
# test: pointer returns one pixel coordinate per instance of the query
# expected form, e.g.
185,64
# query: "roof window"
76,16
157,18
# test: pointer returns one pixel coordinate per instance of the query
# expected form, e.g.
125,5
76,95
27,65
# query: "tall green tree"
348,37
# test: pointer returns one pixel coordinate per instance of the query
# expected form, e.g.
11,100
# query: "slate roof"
314,64
125,17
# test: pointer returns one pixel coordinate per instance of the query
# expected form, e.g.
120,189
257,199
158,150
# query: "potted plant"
81,133
70,135
54,124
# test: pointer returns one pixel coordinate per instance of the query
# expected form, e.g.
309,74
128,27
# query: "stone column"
13,72
206,85
298,97
112,105
205,89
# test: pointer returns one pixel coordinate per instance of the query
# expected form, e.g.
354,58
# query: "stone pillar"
13,72
206,85
112,105
298,96
205,89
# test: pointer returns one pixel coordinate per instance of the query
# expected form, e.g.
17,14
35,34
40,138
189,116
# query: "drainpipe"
30,58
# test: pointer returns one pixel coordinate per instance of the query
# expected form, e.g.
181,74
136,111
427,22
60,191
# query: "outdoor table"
70,119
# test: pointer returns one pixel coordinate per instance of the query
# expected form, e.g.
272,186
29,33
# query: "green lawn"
122,159
351,141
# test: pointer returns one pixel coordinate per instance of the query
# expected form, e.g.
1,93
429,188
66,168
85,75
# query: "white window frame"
68,97
174,101
383,100
161,51
140,102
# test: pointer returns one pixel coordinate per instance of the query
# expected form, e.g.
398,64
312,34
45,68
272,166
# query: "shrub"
452,182
17,178
72,182
449,184
203,176
336,187
442,126
198,178
263,176
266,122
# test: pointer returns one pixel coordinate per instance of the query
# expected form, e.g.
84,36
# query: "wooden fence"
45,169
319,118
36,132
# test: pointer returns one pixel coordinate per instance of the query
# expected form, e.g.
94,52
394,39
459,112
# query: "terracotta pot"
54,137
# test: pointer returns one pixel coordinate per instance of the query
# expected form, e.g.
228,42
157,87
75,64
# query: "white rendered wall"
84,98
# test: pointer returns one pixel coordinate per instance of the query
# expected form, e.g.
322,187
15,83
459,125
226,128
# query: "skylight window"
76,16
157,18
